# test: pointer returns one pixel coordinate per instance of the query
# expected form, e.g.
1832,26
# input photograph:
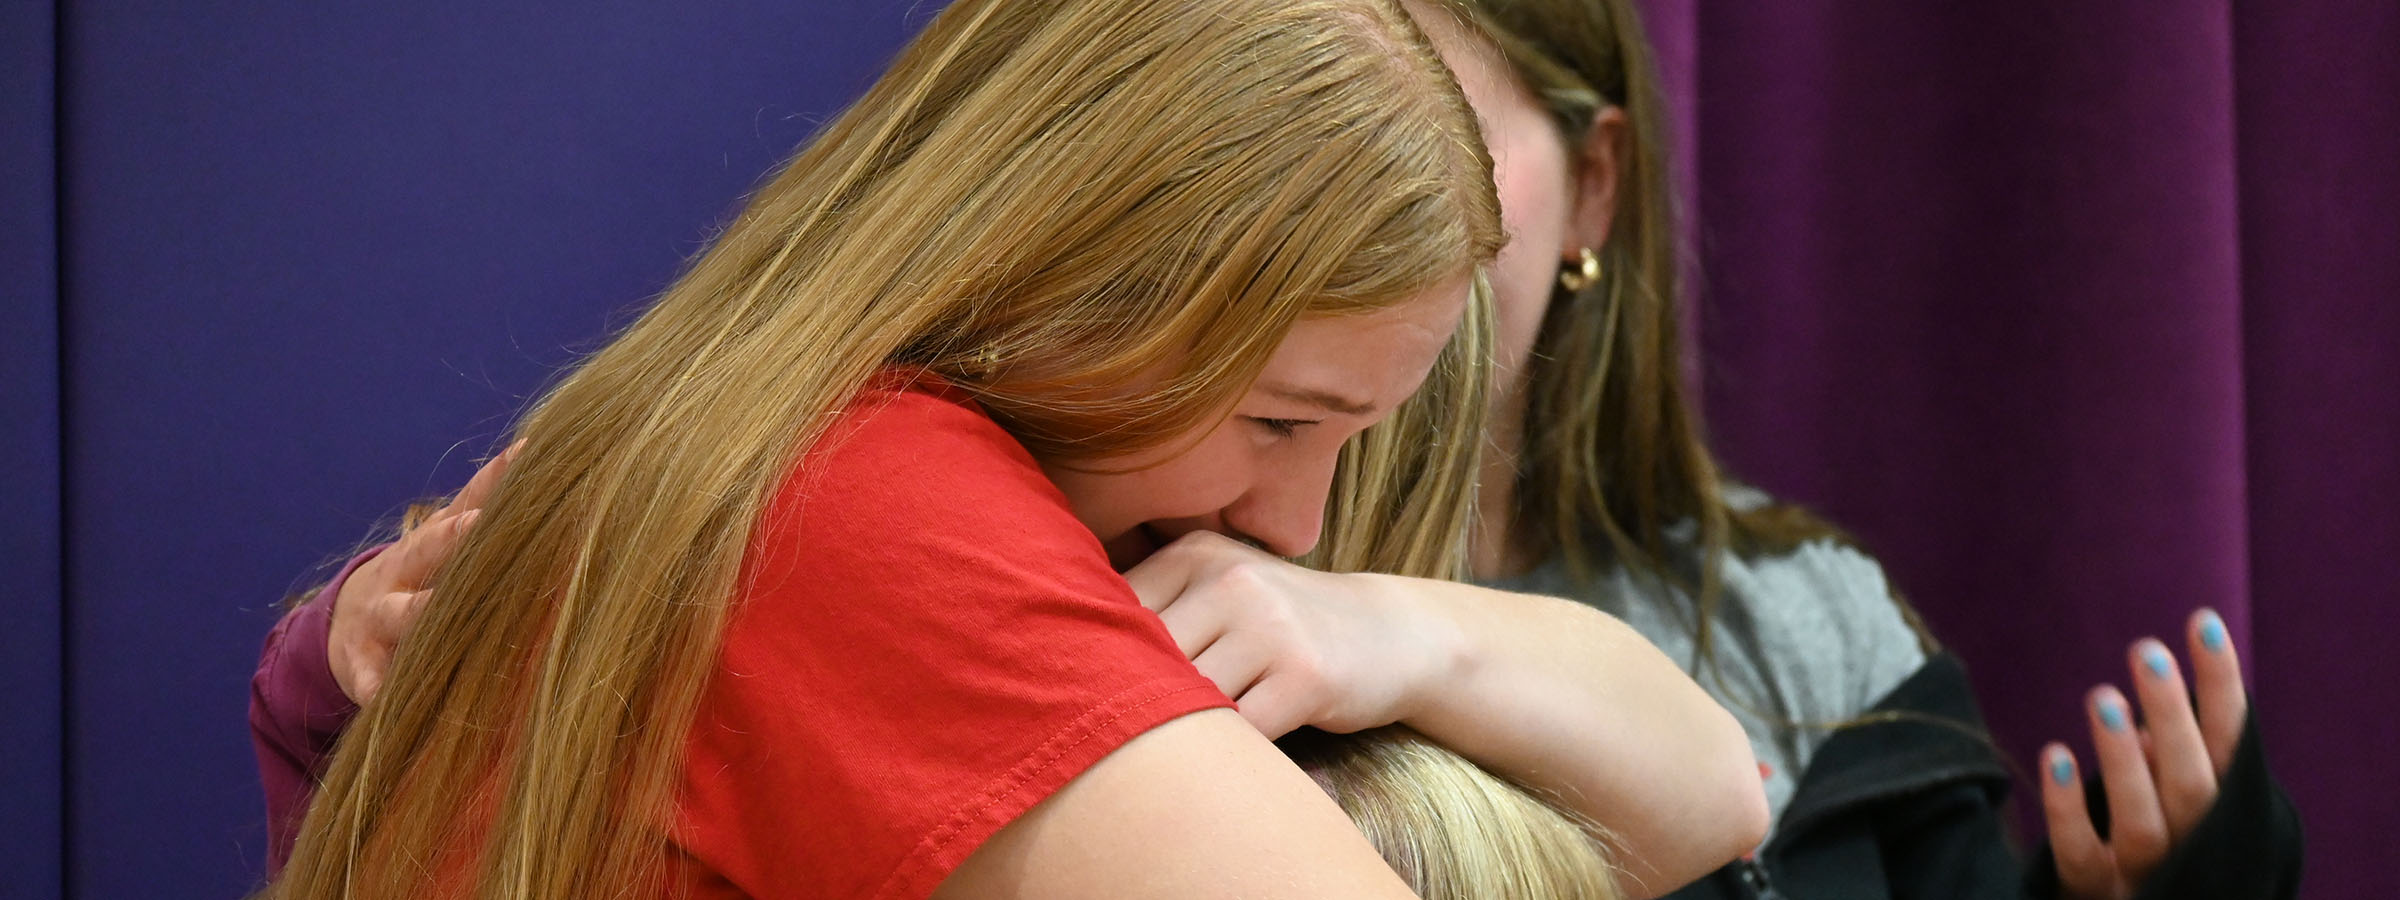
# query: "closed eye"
1281,427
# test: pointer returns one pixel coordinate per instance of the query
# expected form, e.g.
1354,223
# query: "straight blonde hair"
1450,829
1040,201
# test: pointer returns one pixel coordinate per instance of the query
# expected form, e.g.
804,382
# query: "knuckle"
2139,842
1305,674
2189,786
2083,868
1250,592
1175,550
1202,543
1246,577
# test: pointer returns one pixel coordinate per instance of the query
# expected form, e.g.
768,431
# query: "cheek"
1533,208
1199,482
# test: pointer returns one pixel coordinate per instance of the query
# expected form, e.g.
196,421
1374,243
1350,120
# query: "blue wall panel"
319,254
30,639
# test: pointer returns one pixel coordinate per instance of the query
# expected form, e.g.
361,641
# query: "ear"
1599,169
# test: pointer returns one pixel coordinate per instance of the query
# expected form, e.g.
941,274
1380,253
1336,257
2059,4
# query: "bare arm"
1556,695
1200,807
1565,698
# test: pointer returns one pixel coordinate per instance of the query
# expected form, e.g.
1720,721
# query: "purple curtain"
2081,315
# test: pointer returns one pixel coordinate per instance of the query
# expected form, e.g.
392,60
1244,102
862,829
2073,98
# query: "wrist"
337,651
1438,632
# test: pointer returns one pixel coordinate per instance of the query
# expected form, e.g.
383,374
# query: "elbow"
1721,817
1736,817
1742,792
1746,825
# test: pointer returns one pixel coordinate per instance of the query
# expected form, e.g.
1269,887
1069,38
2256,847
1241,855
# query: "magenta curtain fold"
2318,92
2082,316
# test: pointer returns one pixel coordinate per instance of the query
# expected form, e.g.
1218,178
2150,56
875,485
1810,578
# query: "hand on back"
2160,774
380,599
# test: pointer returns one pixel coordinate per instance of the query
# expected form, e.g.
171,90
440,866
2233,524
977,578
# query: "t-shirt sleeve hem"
1066,754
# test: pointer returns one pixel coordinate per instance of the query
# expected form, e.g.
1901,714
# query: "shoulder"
914,472
1823,581
926,643
1828,607
916,441
917,529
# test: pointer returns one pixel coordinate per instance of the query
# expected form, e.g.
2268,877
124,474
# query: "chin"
1129,549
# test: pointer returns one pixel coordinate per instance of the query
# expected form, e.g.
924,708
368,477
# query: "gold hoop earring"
1580,274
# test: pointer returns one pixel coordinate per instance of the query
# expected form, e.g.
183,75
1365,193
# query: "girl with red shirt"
807,584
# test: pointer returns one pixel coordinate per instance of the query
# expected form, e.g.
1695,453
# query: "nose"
1284,512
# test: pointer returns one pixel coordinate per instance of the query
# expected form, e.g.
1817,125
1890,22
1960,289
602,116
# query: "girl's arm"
1569,699
1202,806
1561,697
296,711
328,655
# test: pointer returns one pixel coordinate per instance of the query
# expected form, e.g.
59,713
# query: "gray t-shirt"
1800,641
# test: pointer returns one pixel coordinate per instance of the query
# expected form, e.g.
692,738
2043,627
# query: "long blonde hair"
1041,200
1450,829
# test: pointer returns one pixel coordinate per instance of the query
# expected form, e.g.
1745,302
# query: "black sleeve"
2248,846
1950,843
1905,804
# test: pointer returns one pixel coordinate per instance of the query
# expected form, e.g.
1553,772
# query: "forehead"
1375,358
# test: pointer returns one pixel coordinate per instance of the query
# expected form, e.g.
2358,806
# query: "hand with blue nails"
2160,773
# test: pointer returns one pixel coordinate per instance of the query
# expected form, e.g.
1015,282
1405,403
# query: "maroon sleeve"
296,710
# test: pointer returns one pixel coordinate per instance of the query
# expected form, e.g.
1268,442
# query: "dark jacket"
1908,805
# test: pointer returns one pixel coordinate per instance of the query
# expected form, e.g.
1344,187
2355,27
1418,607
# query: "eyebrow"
1327,401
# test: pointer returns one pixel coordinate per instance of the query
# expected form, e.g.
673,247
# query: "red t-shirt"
928,643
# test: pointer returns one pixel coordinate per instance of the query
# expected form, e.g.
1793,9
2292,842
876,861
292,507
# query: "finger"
2217,678
397,618
2137,832
485,480
421,552
364,684
386,623
2086,868
2179,765
1194,623
1275,706
1159,580
1235,667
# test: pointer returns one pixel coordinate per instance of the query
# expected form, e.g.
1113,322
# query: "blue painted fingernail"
2061,771
2212,632
2156,658
2112,713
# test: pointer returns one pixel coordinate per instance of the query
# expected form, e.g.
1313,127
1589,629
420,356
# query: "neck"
1496,549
